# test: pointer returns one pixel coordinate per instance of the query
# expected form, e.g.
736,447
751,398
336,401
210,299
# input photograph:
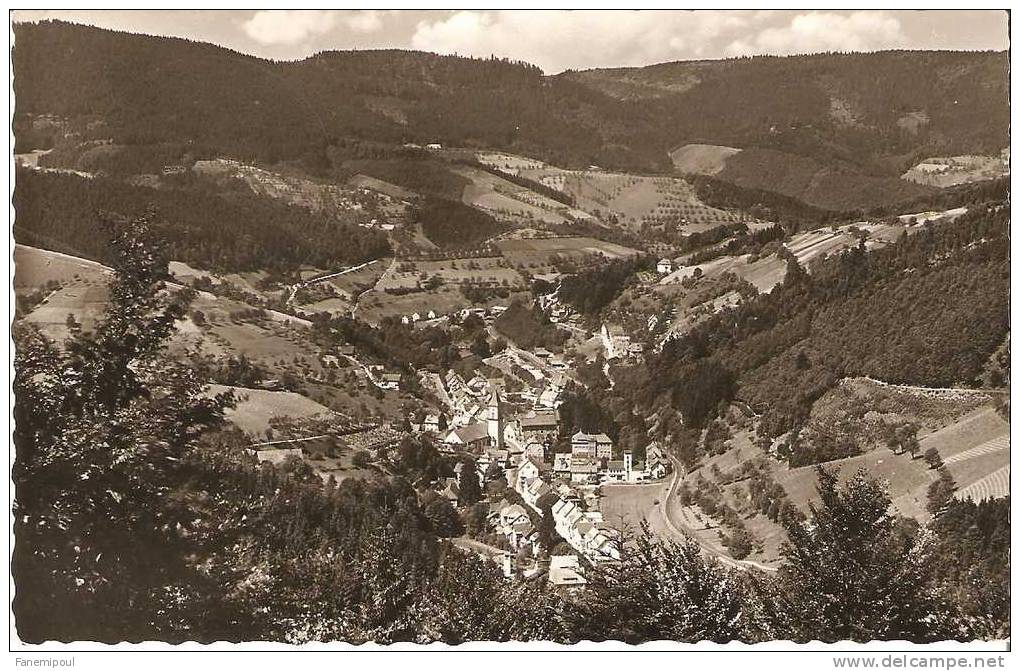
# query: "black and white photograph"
510,330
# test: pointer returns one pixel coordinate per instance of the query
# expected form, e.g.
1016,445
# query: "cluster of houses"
481,419
513,521
381,225
590,461
499,435
617,343
488,314
416,317
509,439
582,528
566,488
552,306
541,371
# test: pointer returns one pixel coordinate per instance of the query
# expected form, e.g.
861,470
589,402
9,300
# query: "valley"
374,339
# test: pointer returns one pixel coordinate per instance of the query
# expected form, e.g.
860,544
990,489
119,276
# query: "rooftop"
565,570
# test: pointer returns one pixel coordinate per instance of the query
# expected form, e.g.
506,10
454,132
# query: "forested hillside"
838,187
877,112
861,108
451,224
205,225
930,310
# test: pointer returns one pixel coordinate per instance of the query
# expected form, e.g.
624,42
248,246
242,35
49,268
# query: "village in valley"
537,495
383,345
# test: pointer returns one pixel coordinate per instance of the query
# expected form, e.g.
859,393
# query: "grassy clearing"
35,267
903,475
506,200
541,251
376,305
701,159
85,299
483,270
362,279
626,506
630,200
768,271
258,406
972,430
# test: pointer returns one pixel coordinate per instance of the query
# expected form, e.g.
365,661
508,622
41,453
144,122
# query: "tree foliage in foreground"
102,425
134,521
849,575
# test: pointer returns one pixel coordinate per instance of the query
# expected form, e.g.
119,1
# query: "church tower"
495,421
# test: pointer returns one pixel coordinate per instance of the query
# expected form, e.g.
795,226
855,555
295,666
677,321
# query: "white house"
565,571
431,423
277,455
664,266
390,381
615,470
528,470
534,490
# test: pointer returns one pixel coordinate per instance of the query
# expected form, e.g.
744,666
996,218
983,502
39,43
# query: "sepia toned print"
408,327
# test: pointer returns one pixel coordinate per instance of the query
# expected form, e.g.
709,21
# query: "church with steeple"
495,420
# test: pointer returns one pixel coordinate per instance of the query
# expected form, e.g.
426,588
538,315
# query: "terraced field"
632,200
993,486
975,449
983,431
507,201
767,272
994,445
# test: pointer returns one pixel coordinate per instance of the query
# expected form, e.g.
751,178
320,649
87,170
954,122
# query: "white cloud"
288,26
367,21
578,39
582,39
824,31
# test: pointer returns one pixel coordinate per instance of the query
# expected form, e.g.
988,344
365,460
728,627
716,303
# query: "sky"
560,40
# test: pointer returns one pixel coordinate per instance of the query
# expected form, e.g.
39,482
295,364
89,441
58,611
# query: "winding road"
679,528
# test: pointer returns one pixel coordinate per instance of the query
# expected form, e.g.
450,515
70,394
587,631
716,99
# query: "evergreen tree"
849,576
471,601
659,590
940,492
470,487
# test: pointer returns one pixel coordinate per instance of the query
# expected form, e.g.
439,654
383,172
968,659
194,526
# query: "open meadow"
257,406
